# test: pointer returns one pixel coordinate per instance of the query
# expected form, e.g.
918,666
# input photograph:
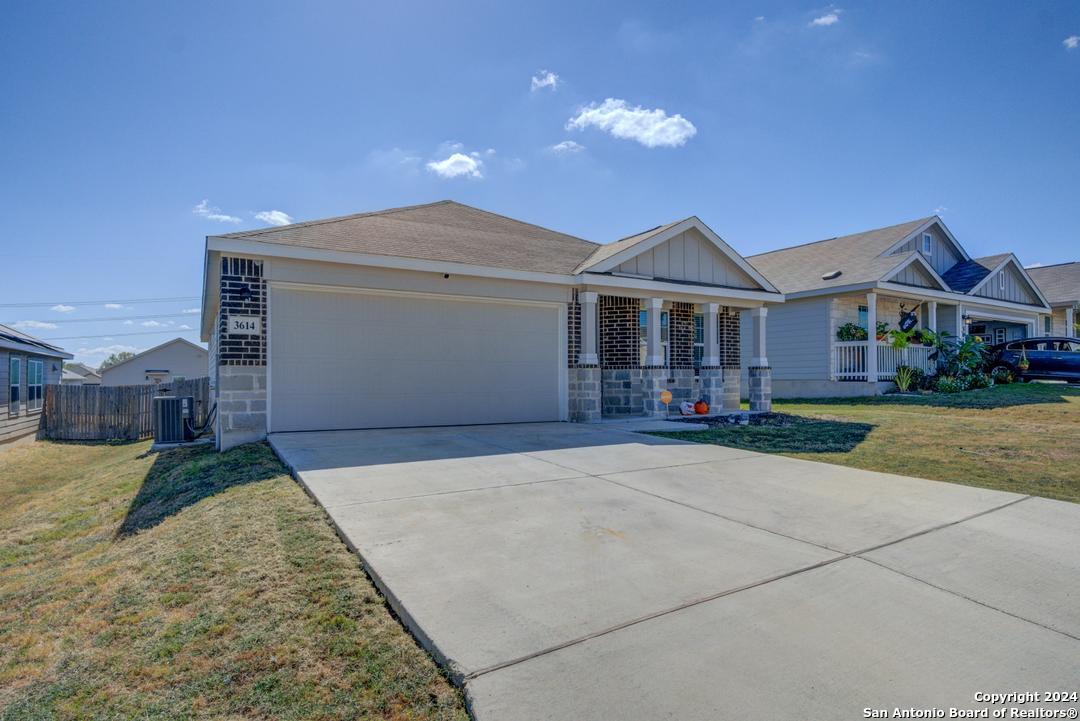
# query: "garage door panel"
360,360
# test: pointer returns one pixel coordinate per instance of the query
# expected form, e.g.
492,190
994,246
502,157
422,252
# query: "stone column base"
584,395
760,388
241,405
720,387
653,381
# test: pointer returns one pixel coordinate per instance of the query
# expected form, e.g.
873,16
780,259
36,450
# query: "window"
1035,345
927,244
643,326
1047,329
15,379
699,339
864,316
999,335
1001,281
35,370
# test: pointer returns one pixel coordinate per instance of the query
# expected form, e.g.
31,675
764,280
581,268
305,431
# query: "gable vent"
831,274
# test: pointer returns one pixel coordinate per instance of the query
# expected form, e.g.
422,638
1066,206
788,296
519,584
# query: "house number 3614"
244,324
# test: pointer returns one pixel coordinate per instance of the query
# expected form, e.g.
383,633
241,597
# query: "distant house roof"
11,339
443,231
151,350
857,257
967,274
71,377
1059,283
82,370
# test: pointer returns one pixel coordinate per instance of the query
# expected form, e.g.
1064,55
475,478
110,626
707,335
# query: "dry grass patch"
190,585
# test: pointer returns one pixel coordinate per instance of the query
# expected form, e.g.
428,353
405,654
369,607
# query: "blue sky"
775,122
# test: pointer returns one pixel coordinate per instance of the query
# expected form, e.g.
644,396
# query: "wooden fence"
99,413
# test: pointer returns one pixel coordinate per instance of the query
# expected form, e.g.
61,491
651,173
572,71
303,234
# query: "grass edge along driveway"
190,584
1023,438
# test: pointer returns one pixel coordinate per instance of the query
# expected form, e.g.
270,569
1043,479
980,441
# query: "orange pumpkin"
701,408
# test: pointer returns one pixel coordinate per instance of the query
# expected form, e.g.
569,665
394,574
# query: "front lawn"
189,585
1022,437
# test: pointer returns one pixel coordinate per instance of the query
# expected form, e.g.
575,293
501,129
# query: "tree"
114,359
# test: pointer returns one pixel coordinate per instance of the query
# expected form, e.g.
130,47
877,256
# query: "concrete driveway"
574,572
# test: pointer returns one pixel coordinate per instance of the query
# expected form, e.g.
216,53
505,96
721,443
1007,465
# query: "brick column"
241,357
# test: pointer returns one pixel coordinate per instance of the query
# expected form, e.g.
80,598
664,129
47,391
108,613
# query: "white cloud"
191,311
114,306
566,147
129,322
545,79
274,217
34,324
760,18
940,209
1035,265
652,128
106,350
1072,42
456,165
210,212
185,326
151,324
830,18
61,308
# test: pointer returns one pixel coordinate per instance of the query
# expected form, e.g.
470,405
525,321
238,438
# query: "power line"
100,302
14,324
120,335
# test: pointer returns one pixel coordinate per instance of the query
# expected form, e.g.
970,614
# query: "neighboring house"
916,267
1061,285
443,314
27,365
173,360
80,374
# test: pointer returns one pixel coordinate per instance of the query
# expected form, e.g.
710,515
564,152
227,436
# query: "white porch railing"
850,360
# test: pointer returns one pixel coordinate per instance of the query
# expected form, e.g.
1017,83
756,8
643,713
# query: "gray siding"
1016,288
946,319
24,422
796,339
179,359
689,256
914,275
943,256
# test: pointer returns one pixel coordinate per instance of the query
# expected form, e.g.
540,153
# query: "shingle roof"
17,340
607,250
443,231
967,274
1059,283
856,256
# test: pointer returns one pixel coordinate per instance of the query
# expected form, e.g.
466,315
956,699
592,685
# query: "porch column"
758,354
654,353
711,339
961,331
1070,321
931,316
588,355
871,337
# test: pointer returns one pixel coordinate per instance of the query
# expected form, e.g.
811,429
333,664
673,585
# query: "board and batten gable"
942,257
1016,288
798,334
688,256
915,275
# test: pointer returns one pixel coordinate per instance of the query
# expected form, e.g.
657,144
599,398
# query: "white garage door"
368,360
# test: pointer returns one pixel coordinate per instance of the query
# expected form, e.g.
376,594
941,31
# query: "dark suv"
1050,358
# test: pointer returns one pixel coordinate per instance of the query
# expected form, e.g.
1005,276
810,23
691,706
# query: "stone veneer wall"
241,357
760,379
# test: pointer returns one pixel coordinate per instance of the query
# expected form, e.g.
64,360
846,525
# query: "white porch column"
758,354
931,316
961,331
711,339
654,354
588,356
1070,322
871,337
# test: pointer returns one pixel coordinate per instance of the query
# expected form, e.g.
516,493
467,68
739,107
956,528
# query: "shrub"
978,379
1002,376
850,331
905,378
949,384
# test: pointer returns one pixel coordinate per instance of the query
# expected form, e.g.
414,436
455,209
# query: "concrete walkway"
573,572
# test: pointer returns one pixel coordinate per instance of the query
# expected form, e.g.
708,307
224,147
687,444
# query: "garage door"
369,360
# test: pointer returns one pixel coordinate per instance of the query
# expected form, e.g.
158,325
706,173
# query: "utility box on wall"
174,419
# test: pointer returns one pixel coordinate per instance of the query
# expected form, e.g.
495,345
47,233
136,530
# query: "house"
878,276
27,365
444,314
80,374
172,360
1061,285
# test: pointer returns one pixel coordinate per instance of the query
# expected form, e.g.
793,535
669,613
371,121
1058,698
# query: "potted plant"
850,332
1023,364
882,329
